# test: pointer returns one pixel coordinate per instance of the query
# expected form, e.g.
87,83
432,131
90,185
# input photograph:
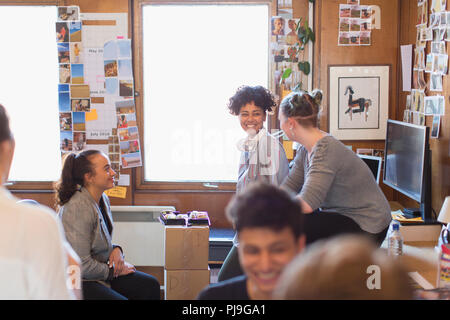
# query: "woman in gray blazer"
86,216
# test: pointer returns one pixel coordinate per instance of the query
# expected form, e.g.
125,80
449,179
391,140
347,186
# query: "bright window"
29,89
194,59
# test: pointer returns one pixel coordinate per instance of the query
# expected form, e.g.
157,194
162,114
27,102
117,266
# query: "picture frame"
358,101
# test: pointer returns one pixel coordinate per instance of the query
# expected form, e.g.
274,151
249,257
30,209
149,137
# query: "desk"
420,257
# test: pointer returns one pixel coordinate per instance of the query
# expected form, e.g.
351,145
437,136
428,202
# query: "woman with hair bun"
329,179
86,216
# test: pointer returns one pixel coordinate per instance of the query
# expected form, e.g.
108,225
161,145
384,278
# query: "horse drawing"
357,106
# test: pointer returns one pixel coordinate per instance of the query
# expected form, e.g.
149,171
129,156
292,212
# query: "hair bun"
317,96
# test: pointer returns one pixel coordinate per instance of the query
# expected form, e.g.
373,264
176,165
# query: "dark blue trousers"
134,286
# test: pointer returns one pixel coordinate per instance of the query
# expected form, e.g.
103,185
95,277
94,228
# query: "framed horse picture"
358,101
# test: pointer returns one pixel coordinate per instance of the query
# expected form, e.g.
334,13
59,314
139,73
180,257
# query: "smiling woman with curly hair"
262,157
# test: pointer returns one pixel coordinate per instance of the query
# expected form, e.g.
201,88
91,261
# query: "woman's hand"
116,261
127,269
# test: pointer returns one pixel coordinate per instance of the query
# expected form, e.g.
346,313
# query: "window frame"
140,184
35,186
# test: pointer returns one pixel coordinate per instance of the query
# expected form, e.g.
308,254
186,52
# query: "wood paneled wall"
440,148
383,50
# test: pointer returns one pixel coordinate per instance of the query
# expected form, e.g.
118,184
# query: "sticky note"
92,115
117,192
287,145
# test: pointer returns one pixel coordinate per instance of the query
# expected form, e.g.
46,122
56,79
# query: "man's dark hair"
262,205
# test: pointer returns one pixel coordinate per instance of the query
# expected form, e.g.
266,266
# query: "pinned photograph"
66,140
291,31
406,116
64,101
429,105
79,91
354,38
65,121
277,26
77,72
355,25
131,133
126,120
63,52
364,38
408,102
124,48
64,73
126,88
436,82
344,11
435,127
81,105
125,106
355,12
442,64
366,12
63,88
76,50
344,25
125,69
426,34
344,39
110,68
75,31
62,32
131,160
71,13
435,20
112,86
366,25
110,50
79,121
79,141
429,63
127,147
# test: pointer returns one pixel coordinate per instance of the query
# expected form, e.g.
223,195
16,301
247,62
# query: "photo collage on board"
355,24
73,95
120,88
433,26
96,93
284,48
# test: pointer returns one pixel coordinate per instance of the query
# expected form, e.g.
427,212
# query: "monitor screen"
405,156
374,164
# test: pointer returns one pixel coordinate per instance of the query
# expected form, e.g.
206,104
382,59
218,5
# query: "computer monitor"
374,164
407,164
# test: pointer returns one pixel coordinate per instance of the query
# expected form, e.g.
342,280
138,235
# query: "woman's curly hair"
259,95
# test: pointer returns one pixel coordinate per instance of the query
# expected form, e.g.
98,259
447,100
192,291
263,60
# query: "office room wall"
397,27
440,148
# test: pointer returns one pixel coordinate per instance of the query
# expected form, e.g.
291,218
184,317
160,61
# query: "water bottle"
395,241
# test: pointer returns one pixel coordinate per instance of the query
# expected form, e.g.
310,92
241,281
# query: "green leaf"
305,67
286,73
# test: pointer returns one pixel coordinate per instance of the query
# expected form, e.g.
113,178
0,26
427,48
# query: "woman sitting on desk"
262,158
331,181
86,216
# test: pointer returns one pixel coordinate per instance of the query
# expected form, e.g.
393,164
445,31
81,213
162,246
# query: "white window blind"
194,59
29,89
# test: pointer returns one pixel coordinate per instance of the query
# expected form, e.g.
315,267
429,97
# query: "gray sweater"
336,179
